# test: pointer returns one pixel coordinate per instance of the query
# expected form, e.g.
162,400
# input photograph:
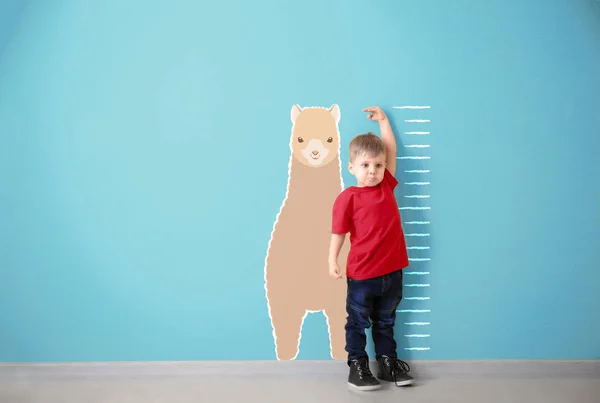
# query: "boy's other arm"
387,136
335,245
340,226
337,240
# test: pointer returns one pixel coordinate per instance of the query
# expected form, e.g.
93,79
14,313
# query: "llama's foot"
336,320
287,323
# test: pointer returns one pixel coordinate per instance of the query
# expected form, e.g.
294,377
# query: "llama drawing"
296,267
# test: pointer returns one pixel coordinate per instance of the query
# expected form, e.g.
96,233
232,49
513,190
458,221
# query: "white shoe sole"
363,388
400,383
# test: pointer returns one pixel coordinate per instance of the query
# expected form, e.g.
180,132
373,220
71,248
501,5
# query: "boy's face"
368,170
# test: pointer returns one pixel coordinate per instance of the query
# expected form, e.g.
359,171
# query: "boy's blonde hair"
367,143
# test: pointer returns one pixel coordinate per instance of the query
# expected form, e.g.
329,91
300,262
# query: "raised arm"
387,136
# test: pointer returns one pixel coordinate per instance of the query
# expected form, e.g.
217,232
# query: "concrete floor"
316,389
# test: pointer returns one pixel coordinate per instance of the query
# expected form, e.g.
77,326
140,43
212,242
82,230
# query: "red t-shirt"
371,216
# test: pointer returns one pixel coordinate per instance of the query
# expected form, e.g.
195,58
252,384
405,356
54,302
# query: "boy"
370,214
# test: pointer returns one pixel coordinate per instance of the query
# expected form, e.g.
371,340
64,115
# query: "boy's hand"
334,271
375,113
387,136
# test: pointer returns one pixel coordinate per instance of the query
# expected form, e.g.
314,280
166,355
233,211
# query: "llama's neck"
324,180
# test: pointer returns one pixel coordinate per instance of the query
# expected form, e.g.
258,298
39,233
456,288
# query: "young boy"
370,214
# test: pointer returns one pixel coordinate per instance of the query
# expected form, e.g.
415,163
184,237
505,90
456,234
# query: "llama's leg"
287,316
336,309
336,320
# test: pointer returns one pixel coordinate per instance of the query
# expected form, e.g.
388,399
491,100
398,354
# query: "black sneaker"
360,376
394,370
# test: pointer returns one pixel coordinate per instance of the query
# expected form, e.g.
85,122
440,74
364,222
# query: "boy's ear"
350,168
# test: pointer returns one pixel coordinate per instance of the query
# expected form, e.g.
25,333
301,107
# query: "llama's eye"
300,140
330,139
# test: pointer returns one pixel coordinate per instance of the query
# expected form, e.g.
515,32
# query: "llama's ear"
295,112
335,112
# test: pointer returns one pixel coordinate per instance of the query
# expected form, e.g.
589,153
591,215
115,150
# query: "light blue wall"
144,153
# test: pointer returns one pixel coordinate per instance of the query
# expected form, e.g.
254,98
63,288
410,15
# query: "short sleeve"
390,179
341,217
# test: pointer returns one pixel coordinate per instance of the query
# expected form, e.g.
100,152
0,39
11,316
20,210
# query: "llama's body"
296,271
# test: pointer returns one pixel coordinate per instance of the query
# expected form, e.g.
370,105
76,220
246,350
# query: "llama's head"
315,137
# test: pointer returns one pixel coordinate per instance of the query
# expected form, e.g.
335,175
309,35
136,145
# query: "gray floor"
299,381
263,390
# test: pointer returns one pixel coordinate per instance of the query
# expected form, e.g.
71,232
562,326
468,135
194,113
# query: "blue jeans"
376,299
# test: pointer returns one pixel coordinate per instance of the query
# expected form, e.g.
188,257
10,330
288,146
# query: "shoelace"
397,366
363,370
